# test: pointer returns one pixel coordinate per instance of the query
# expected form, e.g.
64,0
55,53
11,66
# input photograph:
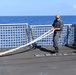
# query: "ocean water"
36,20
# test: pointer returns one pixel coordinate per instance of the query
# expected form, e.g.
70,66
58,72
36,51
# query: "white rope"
39,38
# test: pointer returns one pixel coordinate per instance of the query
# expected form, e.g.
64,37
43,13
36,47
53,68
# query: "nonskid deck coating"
25,63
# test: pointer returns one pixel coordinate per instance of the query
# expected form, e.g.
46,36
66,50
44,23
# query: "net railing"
13,35
67,34
40,34
37,39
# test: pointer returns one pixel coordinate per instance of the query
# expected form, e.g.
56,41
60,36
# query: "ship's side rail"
39,34
67,35
13,35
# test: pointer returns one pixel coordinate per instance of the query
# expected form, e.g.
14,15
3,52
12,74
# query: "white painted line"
39,55
48,54
54,54
65,54
73,53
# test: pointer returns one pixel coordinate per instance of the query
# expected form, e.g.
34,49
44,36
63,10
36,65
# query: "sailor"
57,27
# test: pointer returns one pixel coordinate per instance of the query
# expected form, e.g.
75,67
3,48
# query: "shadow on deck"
62,49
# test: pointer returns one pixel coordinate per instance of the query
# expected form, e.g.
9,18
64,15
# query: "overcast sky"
37,7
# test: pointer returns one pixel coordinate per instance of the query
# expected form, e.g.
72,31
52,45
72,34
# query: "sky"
37,7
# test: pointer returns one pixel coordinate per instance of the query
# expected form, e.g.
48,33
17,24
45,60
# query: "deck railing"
13,35
67,35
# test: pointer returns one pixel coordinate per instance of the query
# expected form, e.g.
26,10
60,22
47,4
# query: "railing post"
68,35
31,39
31,34
75,34
27,33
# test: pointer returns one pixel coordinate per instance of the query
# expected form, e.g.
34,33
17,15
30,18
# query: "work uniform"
57,33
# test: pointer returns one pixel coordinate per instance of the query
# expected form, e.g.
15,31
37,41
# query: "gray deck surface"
25,63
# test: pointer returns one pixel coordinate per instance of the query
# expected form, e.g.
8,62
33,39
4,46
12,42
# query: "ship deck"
40,61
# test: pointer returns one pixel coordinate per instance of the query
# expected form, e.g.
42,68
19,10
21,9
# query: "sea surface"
36,20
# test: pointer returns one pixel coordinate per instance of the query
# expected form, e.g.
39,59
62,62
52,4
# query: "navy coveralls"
57,24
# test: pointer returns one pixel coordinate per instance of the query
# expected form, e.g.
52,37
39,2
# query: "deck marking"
56,54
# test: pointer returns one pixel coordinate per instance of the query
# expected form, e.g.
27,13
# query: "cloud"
74,6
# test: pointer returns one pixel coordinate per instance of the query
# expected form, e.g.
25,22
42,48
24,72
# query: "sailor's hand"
53,28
